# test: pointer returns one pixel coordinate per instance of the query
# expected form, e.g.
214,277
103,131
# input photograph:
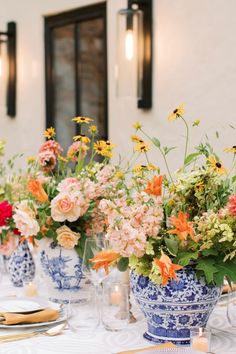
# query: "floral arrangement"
162,223
64,190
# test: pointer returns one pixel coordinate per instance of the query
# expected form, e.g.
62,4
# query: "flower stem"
187,137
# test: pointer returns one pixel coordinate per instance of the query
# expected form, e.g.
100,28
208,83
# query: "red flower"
5,212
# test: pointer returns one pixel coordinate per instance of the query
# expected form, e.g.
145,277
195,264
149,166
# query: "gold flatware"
24,335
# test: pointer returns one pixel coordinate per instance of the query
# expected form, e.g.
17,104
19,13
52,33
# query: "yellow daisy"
138,169
137,125
120,174
93,129
152,167
232,149
82,120
103,148
141,147
109,145
179,111
136,139
49,133
31,159
216,165
82,138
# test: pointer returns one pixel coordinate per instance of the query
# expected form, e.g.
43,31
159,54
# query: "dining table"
103,341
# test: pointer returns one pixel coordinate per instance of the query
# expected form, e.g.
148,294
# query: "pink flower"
51,145
67,206
47,160
77,149
232,205
9,246
69,184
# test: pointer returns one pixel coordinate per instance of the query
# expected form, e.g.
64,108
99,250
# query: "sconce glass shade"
129,58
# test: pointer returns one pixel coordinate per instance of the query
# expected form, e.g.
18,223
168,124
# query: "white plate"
171,351
22,305
62,318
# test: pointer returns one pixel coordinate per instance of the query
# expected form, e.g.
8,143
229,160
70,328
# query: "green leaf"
172,246
217,134
231,126
185,257
209,252
191,157
207,265
156,142
167,150
234,178
123,263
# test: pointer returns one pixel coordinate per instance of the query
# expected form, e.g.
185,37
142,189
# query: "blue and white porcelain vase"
62,269
172,310
21,265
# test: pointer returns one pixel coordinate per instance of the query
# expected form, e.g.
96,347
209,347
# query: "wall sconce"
9,37
134,52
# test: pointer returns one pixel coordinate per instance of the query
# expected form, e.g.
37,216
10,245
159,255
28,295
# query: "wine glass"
92,247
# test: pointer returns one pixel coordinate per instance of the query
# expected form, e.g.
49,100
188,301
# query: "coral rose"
232,205
66,237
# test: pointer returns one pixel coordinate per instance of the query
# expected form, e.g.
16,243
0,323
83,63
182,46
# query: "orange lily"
183,227
167,268
104,259
36,189
154,187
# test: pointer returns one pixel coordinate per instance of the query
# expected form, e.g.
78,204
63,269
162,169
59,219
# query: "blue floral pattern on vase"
21,265
63,272
172,310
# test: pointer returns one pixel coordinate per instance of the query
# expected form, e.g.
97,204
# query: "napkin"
160,346
46,315
227,289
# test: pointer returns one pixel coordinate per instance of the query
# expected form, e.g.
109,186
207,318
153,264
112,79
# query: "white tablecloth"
104,342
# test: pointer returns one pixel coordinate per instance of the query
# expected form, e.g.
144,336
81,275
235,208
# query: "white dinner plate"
62,318
171,351
22,305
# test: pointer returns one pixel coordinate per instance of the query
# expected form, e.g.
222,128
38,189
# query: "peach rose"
65,206
66,237
25,223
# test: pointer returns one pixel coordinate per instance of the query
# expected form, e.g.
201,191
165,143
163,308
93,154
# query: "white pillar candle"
30,290
200,342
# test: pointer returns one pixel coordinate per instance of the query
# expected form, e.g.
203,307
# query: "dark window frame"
68,17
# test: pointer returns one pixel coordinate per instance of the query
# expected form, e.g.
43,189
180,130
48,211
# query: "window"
76,70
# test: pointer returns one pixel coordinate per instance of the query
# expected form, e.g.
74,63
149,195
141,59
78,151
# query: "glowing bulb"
129,45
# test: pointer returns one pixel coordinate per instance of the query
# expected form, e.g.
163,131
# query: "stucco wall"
194,62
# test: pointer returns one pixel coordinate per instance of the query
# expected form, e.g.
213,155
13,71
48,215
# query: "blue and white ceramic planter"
21,265
62,270
172,310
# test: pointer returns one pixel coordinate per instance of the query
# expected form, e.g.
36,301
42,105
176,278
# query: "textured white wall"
194,62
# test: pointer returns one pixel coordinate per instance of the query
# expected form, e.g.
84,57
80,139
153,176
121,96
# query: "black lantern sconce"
134,52
9,38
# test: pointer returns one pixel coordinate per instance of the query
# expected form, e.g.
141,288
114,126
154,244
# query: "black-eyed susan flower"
49,133
82,120
119,174
83,138
93,129
136,139
178,112
138,169
31,159
141,147
137,125
104,148
216,165
152,167
232,149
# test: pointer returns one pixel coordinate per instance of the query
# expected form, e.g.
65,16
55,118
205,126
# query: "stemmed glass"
92,247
